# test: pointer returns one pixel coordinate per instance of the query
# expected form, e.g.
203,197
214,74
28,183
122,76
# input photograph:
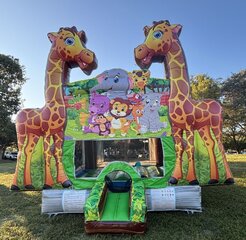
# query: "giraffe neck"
57,73
176,71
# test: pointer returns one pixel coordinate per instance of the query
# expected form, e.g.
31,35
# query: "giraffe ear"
147,73
176,28
52,36
146,30
82,36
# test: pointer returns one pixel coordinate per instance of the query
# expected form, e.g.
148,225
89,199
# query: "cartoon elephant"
116,82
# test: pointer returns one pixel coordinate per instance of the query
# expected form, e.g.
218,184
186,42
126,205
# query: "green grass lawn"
223,217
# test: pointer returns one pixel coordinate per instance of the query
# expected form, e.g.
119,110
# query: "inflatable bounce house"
117,140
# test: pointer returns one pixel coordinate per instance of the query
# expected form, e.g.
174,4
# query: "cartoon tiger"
137,113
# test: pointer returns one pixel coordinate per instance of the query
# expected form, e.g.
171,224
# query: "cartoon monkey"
103,125
119,109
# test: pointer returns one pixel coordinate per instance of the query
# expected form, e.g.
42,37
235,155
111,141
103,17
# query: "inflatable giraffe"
186,115
67,51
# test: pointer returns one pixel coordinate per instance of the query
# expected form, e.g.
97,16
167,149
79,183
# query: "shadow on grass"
7,166
20,218
238,169
223,216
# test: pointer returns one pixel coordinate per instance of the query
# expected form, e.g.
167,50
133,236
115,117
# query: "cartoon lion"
119,109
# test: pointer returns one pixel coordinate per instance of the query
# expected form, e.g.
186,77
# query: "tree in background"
205,87
234,106
12,77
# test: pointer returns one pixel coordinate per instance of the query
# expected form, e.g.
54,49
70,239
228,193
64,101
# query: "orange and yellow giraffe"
186,115
68,50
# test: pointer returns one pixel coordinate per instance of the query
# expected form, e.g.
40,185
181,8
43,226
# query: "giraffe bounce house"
121,143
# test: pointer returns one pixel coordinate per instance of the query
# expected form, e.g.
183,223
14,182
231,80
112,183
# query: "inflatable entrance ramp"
116,207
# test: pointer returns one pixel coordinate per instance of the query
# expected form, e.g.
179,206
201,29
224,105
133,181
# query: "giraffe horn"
167,22
146,30
74,29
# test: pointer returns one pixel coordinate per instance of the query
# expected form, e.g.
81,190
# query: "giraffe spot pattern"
50,92
175,48
22,117
63,53
36,121
59,95
183,86
188,107
29,121
215,120
190,119
198,113
46,114
179,111
21,129
171,106
61,111
55,117
205,114
203,106
174,90
55,81
31,114
181,97
214,107
165,47
45,126
174,116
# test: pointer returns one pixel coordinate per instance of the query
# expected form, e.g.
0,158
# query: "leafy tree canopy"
234,105
12,77
205,87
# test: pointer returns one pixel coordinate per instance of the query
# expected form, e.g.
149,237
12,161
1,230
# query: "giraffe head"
69,44
158,42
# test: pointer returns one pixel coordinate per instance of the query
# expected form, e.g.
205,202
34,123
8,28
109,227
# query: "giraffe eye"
69,41
157,34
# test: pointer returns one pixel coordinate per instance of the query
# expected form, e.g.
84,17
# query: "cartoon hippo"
99,104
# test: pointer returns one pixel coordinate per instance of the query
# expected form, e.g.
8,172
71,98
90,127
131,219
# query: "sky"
213,35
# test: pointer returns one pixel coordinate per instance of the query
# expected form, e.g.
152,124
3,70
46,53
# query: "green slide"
116,207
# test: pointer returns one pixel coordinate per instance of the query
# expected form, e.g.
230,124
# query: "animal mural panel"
114,109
